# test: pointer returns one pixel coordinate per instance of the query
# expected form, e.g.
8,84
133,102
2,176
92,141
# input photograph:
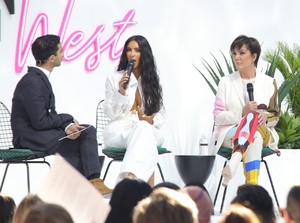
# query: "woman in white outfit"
135,109
232,103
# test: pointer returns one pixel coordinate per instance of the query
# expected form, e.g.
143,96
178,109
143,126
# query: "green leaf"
270,71
286,86
213,89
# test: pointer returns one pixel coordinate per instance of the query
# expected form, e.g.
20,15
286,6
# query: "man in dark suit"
36,124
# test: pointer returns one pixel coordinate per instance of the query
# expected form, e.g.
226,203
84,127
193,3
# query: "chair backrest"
101,122
5,128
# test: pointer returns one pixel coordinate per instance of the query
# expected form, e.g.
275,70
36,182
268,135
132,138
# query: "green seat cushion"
118,153
16,154
226,152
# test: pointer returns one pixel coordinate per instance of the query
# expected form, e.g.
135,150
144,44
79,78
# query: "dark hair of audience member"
24,207
166,205
48,213
258,200
237,213
125,196
7,208
167,184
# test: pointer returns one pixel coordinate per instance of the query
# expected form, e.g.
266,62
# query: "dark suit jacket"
35,122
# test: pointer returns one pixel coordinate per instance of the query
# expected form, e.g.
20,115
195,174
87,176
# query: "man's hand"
74,128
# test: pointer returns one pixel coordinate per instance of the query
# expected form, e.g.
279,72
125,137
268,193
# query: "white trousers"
140,140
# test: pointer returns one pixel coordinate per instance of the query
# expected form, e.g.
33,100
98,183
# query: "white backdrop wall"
181,33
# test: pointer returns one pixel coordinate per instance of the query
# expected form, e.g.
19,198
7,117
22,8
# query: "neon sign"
74,45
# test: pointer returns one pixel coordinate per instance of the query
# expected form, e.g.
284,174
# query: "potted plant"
288,129
288,63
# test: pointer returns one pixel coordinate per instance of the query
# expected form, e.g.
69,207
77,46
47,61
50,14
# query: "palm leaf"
286,86
207,81
270,71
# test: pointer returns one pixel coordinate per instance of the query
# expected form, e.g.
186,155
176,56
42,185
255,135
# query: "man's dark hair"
258,200
45,46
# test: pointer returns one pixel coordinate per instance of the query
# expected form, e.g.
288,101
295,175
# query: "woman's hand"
122,81
262,117
142,116
249,107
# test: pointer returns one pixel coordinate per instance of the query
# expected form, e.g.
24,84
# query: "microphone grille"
249,87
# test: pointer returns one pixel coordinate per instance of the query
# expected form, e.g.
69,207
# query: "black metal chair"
116,154
226,153
10,155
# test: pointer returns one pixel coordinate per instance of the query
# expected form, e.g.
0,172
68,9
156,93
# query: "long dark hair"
152,91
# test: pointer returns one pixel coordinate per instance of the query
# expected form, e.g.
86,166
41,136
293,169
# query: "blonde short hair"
237,213
165,205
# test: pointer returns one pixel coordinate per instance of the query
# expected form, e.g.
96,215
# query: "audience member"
134,103
203,202
166,184
292,210
7,208
258,200
48,213
24,207
237,213
125,196
166,205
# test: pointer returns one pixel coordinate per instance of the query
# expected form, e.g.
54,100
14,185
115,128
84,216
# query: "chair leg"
271,182
219,186
107,168
28,171
223,199
161,173
4,176
28,177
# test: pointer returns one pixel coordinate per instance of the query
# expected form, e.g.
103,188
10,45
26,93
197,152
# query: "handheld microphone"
130,66
250,91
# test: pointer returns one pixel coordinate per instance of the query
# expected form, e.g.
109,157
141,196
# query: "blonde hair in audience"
48,213
24,207
165,205
237,213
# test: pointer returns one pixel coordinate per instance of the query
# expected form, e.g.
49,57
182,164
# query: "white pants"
140,140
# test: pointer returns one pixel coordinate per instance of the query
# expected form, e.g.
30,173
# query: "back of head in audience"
237,213
166,205
203,202
258,200
167,185
292,211
48,213
25,205
125,196
7,208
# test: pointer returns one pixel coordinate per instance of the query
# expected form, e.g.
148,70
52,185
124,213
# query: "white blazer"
117,106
